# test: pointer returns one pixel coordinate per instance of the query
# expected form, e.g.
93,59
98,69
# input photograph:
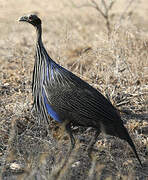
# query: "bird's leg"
67,126
92,142
69,131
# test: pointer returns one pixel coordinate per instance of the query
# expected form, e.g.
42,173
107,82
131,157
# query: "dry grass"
76,38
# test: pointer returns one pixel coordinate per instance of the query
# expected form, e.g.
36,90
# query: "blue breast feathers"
49,109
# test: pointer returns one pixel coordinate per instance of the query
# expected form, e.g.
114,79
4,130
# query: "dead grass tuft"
117,66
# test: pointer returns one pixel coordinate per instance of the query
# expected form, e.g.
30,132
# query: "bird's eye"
30,17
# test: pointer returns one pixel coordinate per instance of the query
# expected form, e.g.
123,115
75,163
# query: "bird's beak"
23,18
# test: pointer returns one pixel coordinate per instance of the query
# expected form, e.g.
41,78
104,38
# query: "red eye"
30,18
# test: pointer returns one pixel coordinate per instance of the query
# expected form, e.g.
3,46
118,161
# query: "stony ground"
115,62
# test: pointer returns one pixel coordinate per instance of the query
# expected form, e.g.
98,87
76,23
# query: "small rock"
6,84
76,164
14,166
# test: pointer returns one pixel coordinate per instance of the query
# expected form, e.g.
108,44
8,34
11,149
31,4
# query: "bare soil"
75,36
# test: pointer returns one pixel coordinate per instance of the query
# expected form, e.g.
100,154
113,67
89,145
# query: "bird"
69,100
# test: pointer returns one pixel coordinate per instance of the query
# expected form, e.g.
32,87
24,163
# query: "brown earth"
76,37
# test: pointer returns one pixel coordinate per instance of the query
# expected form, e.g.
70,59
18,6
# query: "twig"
125,10
104,14
122,103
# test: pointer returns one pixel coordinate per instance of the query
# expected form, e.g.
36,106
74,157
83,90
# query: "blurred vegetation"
103,43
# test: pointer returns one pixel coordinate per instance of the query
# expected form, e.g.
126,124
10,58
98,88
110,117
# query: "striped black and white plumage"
70,100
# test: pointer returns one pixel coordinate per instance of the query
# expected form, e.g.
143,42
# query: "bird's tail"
123,134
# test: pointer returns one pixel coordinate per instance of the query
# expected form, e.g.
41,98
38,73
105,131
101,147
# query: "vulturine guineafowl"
70,100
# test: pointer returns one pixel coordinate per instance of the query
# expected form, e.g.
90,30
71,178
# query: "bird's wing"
70,94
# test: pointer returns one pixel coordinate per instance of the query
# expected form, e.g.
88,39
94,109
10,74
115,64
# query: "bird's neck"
39,34
40,46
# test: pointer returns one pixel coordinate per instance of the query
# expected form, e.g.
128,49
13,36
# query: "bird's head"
32,19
